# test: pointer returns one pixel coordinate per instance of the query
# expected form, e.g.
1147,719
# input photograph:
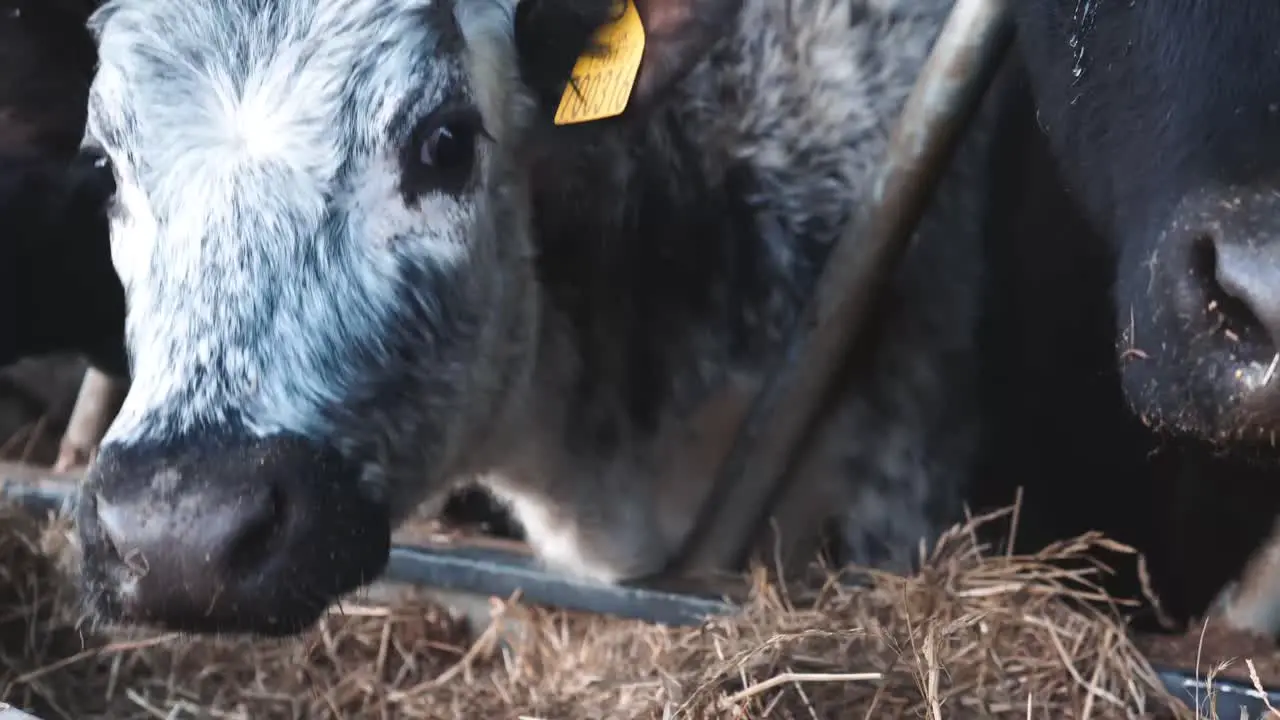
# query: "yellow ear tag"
602,84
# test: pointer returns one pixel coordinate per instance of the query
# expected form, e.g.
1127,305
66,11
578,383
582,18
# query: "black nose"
200,544
255,536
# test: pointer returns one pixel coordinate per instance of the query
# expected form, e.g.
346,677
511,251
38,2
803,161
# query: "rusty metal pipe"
96,407
952,83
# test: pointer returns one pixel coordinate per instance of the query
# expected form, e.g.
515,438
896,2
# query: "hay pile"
971,637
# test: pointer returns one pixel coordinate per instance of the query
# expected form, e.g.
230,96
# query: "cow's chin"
116,603
1214,404
110,607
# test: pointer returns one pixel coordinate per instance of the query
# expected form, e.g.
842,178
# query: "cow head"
322,229
1165,120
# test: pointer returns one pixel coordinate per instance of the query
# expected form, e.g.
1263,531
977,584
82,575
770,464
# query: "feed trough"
465,573
1231,698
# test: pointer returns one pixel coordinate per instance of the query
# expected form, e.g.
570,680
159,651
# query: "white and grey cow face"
321,308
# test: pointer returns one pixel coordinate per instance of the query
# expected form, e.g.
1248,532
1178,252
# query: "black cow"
1134,315
58,290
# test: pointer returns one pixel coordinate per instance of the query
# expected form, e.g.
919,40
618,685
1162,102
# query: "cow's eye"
448,148
93,175
441,154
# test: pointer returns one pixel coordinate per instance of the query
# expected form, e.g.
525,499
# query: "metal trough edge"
1230,698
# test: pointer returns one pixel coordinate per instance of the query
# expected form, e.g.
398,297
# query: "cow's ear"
678,34
551,35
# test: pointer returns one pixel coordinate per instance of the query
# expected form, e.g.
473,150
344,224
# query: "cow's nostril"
204,542
1239,308
109,533
254,545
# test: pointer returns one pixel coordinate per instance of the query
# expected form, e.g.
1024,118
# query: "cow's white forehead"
262,235
265,80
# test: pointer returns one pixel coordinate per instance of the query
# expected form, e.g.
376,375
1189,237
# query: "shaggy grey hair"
279,280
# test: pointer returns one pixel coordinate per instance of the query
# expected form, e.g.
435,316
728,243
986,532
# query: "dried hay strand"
974,635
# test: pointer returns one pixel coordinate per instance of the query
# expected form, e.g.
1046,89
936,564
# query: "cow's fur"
572,325
58,290
1120,389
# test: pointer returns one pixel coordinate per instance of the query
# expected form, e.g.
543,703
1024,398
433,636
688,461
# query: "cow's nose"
198,546
253,535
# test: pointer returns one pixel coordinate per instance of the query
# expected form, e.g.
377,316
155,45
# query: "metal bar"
952,83
97,404
17,472
494,573
1220,698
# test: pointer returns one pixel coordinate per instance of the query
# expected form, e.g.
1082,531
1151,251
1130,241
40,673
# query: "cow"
48,58
58,289
1134,302
364,264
